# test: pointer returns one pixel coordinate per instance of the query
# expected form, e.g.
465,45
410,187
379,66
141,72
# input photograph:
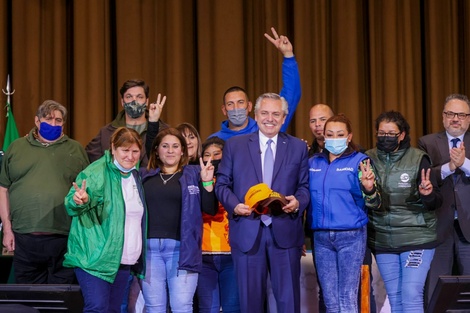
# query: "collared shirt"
263,145
445,169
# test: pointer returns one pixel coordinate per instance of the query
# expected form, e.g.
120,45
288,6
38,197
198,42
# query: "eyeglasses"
450,115
381,134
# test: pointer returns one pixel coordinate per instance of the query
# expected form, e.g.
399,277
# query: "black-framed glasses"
451,115
381,134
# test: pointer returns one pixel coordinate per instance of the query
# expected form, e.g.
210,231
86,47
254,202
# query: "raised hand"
81,196
156,108
425,187
368,176
281,43
207,171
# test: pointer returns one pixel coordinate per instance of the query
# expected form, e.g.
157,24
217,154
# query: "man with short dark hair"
134,100
237,107
37,172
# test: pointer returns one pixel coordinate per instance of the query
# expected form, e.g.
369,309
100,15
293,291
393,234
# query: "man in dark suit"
267,242
451,165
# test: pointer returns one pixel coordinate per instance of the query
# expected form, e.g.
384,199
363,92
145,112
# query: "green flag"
11,132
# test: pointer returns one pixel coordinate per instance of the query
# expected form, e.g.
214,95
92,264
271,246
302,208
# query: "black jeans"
38,260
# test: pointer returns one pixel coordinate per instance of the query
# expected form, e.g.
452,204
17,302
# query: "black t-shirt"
164,206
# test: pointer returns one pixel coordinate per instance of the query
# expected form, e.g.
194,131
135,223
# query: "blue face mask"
336,146
237,116
49,132
122,169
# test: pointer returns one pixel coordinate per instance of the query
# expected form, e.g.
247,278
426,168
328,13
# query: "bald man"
319,114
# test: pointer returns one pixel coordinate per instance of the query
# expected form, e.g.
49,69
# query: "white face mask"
336,146
237,116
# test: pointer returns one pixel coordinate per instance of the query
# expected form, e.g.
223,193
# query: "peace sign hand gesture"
282,43
425,188
80,197
156,108
368,176
207,172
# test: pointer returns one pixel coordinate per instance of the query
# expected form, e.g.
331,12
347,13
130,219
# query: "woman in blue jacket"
342,187
175,194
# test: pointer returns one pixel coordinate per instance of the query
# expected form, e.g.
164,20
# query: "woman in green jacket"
403,234
108,224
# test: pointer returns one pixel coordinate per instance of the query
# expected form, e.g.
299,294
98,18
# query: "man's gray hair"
457,96
49,106
275,96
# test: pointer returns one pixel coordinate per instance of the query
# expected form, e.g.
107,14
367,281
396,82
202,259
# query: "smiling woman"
176,194
107,205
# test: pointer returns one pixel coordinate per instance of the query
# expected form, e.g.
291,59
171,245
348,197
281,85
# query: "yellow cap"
256,194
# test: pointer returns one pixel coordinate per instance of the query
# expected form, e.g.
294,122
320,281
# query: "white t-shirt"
133,221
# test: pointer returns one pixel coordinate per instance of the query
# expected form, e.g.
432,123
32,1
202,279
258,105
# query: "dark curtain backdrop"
359,56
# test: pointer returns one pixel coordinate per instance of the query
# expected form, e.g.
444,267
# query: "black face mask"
387,144
215,163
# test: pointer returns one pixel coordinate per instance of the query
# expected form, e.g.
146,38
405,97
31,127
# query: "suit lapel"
255,154
466,140
281,153
443,145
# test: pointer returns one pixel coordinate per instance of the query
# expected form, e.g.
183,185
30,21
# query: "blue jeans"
217,285
125,299
101,296
162,274
404,276
338,260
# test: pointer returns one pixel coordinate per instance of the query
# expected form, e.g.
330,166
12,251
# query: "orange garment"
215,233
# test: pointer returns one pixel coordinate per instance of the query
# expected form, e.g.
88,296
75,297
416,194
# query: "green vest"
403,220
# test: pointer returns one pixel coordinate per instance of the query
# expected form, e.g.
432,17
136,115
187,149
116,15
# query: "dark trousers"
101,296
38,259
252,269
451,257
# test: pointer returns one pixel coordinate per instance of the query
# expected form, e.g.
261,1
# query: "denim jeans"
125,299
404,275
162,274
338,260
101,296
217,285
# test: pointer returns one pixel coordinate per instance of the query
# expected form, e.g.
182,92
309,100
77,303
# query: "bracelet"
207,183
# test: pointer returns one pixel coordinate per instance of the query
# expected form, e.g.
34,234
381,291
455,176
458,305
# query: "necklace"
166,180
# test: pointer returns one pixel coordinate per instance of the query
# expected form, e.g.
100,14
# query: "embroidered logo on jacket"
314,169
193,190
349,169
405,181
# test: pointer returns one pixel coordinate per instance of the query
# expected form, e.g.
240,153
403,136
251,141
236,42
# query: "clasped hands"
457,157
292,207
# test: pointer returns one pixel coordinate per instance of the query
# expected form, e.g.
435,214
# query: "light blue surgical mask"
237,116
122,169
336,146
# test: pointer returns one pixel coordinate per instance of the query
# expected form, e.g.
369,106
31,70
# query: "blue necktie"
268,164
268,176
455,141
